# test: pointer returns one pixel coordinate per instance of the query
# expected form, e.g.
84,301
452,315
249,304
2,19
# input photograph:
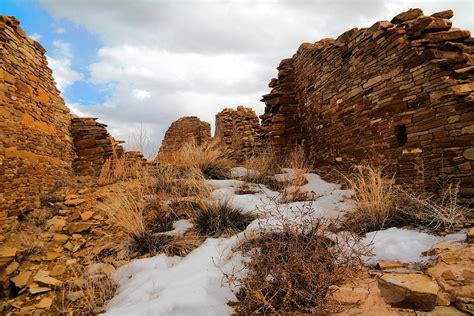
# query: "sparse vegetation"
381,204
291,270
208,158
119,168
219,218
182,181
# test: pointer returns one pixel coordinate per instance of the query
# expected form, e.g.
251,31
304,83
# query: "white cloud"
61,63
140,94
60,30
35,36
175,58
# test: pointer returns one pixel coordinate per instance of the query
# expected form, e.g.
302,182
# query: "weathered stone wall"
35,143
93,145
239,131
401,92
182,131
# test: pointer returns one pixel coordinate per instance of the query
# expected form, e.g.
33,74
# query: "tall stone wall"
182,131
35,144
239,131
399,91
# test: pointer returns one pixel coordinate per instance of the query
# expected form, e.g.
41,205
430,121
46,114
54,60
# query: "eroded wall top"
182,131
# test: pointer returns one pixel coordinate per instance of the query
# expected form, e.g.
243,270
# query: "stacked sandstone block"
35,144
92,143
399,91
184,130
280,120
239,132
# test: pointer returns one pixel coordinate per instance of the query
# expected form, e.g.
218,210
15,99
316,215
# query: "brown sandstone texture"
92,143
401,92
36,149
186,129
239,131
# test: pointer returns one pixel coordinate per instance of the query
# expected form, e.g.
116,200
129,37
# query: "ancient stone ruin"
40,143
399,91
182,131
35,142
239,131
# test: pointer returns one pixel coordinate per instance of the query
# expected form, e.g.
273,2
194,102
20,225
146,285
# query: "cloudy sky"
148,62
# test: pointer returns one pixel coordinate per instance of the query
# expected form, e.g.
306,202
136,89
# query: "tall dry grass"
119,168
375,197
208,157
381,204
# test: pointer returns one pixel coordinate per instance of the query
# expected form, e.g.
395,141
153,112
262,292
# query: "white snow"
180,227
195,284
396,244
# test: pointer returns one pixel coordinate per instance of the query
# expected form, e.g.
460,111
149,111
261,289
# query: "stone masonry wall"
399,91
35,144
239,131
182,131
93,145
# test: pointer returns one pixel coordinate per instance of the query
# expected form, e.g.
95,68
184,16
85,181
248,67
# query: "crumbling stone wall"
93,145
239,131
35,144
182,131
399,91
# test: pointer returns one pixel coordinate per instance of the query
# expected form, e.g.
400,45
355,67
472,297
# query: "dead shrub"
220,218
291,271
439,214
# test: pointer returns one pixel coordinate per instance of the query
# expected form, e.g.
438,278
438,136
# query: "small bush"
291,271
171,245
439,214
217,218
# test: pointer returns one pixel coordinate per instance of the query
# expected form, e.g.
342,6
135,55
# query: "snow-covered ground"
195,284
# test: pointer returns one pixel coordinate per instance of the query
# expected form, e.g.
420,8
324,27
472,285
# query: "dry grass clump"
171,245
182,181
298,163
208,157
246,188
291,271
296,195
376,198
381,204
119,168
85,296
220,218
